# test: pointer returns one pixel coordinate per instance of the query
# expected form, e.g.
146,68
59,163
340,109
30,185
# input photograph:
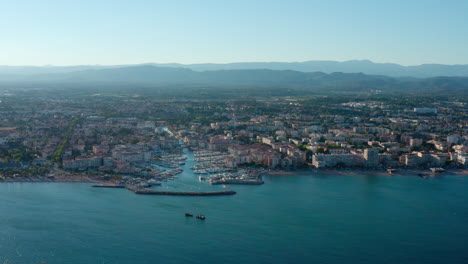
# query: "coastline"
80,178
350,172
67,178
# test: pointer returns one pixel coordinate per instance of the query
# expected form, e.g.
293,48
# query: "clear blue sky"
63,32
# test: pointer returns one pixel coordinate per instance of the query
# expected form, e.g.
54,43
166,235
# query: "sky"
63,32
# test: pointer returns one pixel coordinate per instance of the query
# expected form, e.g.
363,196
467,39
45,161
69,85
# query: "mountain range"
152,76
352,66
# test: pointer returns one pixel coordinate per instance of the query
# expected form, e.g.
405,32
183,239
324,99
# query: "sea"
308,218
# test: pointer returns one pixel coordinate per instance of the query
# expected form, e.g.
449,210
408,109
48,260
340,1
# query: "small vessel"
422,175
437,170
188,214
153,182
200,178
144,185
202,217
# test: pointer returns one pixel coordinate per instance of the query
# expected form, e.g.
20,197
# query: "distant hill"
149,76
353,66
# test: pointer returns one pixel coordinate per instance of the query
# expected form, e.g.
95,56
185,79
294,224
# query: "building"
462,159
415,142
454,139
100,149
131,153
371,156
82,163
328,161
420,159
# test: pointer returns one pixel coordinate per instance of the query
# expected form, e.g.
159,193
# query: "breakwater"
152,192
139,190
108,186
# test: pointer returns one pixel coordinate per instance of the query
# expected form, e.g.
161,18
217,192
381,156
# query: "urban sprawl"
135,137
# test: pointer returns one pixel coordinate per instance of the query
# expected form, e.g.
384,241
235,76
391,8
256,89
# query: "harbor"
242,177
187,173
210,162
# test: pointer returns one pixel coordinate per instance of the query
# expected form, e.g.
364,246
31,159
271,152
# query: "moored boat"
437,170
422,175
201,217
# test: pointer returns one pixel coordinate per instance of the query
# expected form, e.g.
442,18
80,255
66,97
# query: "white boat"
153,182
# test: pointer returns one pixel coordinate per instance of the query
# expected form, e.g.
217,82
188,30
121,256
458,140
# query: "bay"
289,219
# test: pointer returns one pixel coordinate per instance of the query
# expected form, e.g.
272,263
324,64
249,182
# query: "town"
47,136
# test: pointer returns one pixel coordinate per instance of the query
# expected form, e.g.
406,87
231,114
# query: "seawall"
152,192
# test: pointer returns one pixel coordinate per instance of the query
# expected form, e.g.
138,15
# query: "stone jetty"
139,190
153,192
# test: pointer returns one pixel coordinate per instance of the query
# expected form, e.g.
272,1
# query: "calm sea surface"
289,219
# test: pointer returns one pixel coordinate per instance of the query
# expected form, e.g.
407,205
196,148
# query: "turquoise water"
289,219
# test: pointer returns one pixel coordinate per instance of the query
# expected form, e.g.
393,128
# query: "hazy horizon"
67,33
230,62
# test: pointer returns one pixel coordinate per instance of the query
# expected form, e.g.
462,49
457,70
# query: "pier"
237,181
108,186
139,190
152,192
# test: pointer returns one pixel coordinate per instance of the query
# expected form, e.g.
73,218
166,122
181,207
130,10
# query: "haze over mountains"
352,66
306,76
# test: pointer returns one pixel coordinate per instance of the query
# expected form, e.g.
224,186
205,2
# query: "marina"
243,177
187,173
237,181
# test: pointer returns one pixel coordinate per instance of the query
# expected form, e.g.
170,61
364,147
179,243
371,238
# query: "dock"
236,181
